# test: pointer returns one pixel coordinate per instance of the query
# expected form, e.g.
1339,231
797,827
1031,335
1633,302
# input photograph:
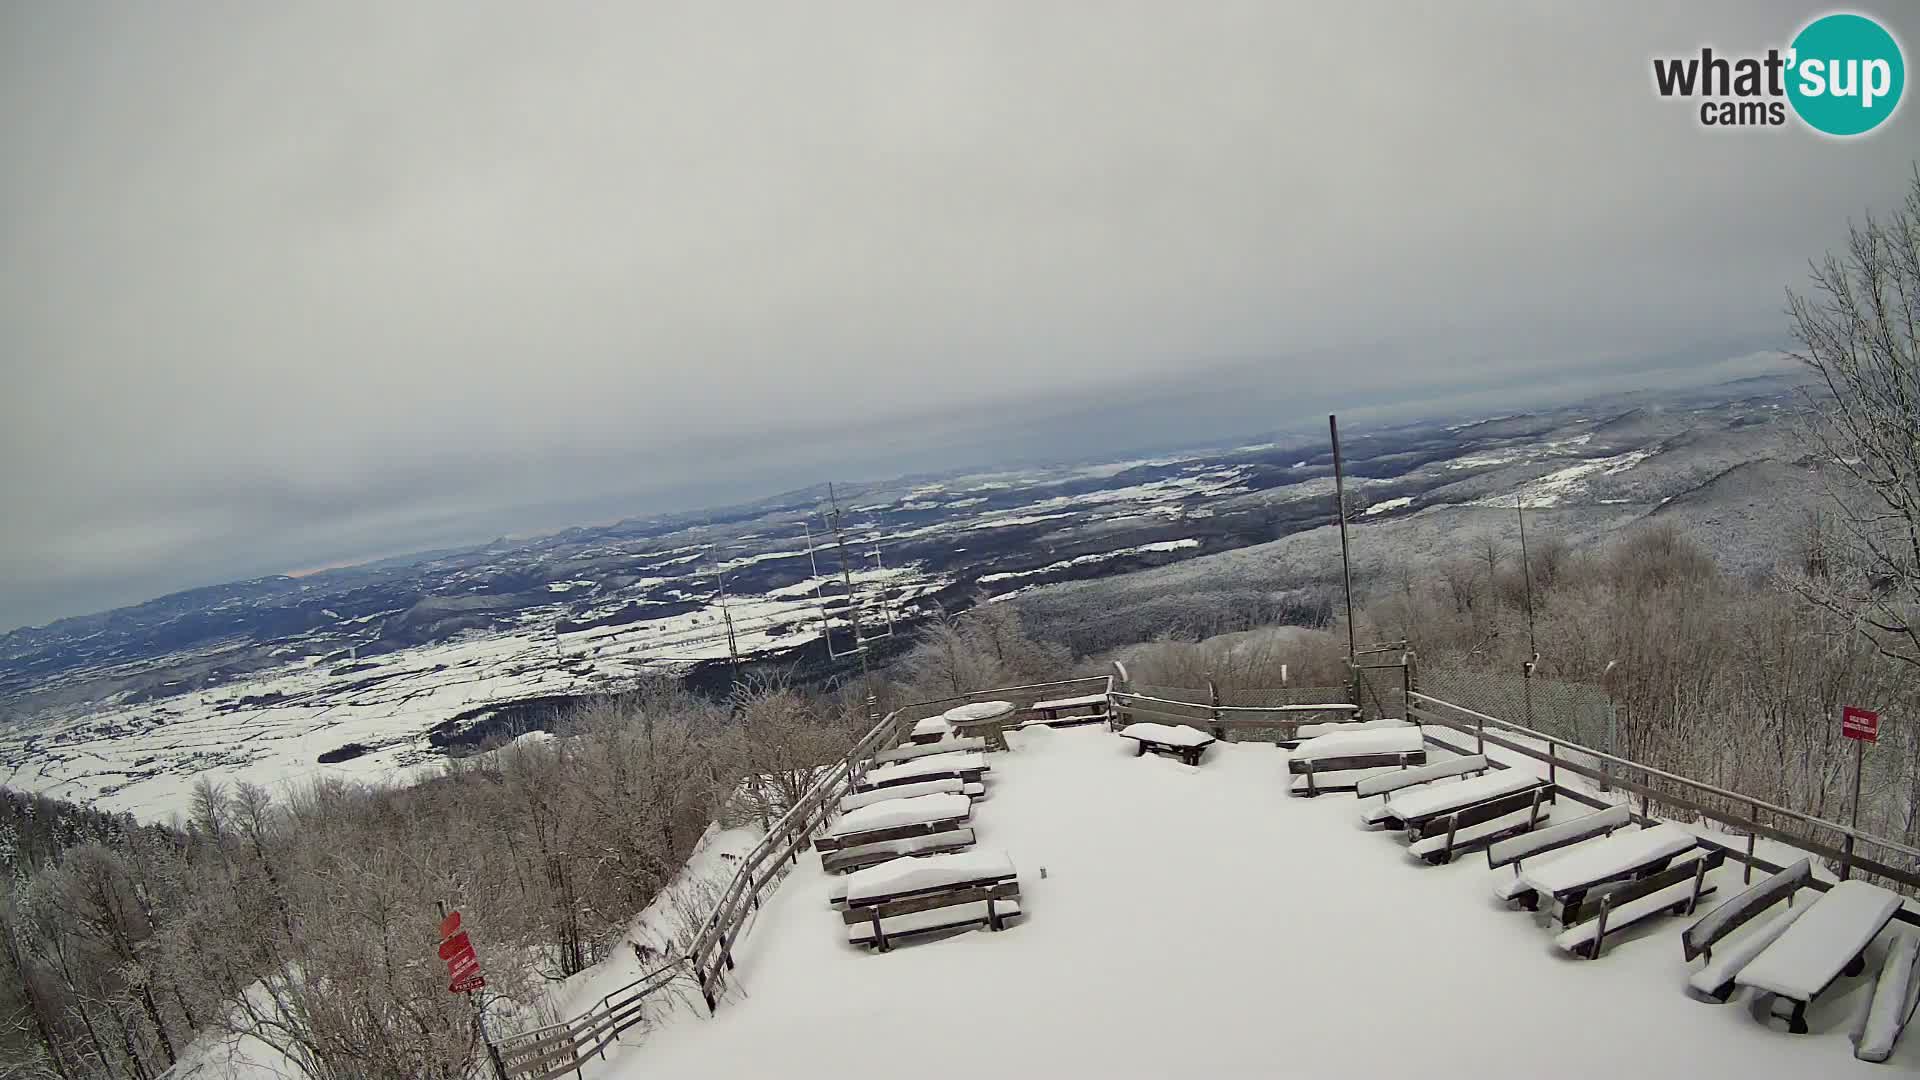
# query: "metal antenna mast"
1526,575
1346,562
726,614
853,606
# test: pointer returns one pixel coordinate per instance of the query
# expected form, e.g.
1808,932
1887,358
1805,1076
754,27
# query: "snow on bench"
1879,1026
1715,981
1698,939
1678,888
902,877
1349,753
993,911
930,730
1559,836
915,895
1404,778
1185,743
1314,731
863,855
943,786
1404,739
966,765
1625,854
892,813
1827,941
1440,836
1081,702
1416,806
919,750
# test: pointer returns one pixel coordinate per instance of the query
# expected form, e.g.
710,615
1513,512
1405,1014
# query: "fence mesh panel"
1573,711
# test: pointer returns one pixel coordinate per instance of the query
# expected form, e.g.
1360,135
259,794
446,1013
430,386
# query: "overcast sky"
285,284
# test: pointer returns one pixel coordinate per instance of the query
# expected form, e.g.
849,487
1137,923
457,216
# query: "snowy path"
1264,936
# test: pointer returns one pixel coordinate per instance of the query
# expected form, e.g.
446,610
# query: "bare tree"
1858,329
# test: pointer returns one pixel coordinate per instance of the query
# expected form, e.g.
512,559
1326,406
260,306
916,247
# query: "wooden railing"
1801,830
554,1050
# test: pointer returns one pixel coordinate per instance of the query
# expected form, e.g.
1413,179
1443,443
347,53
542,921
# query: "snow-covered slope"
1198,922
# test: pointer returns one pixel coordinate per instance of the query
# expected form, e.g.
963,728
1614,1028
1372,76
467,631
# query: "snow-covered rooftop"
1199,922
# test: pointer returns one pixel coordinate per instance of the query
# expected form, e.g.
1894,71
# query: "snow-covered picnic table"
963,765
1830,937
1183,742
1599,861
894,813
940,892
1059,704
943,786
974,712
986,718
1066,709
926,873
1365,743
1419,803
930,730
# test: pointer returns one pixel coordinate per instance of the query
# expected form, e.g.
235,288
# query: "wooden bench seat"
1348,752
1175,740
849,859
1677,888
897,819
1626,855
968,766
911,896
1514,850
919,750
1886,1014
1437,838
1061,712
952,784
1413,808
1828,941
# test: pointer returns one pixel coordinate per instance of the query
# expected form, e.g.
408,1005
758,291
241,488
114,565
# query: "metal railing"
554,1050
1655,785
1218,719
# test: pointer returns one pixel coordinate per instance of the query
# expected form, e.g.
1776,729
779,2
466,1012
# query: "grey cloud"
286,284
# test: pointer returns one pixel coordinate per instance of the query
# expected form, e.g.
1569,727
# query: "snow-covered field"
1200,922
272,729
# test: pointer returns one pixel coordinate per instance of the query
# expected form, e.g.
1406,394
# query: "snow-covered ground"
1200,922
272,728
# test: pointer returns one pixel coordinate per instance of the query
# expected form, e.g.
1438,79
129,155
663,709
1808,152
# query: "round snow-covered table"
985,718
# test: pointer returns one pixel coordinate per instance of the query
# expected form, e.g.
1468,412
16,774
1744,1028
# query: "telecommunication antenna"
855,607
726,613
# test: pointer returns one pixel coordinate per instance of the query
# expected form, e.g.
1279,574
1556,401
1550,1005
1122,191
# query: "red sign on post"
463,967
1860,724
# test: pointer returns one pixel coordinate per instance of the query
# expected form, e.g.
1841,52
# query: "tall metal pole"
1526,575
1346,560
853,607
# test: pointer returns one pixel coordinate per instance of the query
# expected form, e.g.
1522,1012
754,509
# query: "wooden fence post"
1213,708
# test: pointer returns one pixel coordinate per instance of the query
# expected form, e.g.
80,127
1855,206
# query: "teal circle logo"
1846,75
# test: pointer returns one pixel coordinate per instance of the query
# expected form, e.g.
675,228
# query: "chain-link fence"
1577,712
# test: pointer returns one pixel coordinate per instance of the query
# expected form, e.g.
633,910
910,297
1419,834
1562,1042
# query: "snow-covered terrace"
1184,921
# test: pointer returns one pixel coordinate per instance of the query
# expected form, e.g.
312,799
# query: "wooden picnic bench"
1676,888
1440,835
1351,751
1623,856
1827,941
897,819
1887,1012
1715,981
911,751
932,729
969,767
1175,740
948,785
1414,807
906,897
1514,850
849,859
1064,711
